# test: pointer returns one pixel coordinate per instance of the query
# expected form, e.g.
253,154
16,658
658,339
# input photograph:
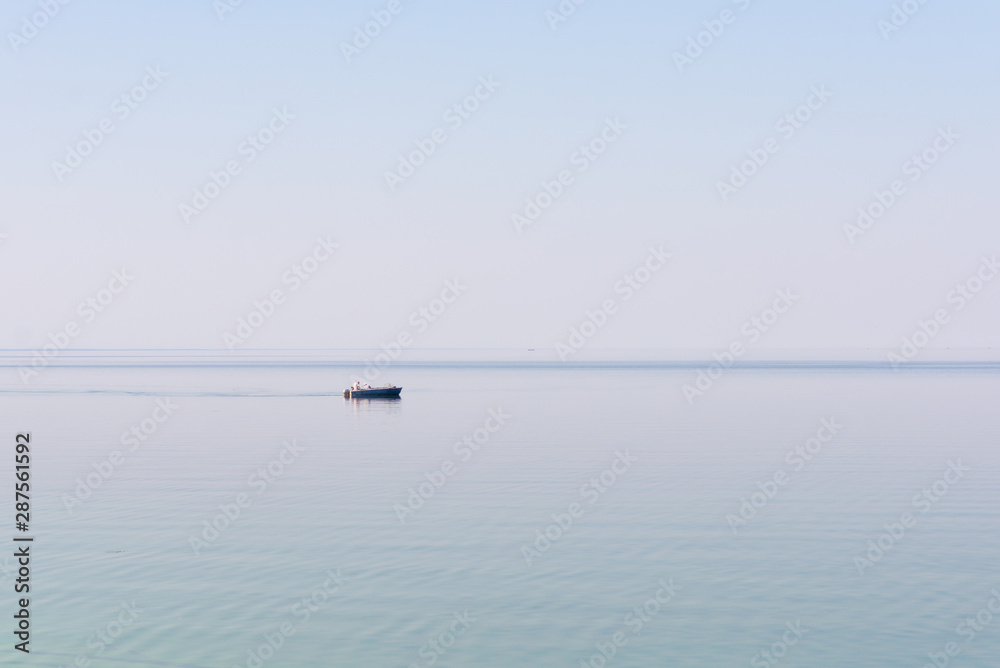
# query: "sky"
309,118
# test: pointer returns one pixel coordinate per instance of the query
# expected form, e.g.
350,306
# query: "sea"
505,514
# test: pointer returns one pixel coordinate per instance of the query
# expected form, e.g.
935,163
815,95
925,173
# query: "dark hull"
373,393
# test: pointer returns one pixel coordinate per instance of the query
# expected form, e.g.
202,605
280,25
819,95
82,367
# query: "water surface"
332,513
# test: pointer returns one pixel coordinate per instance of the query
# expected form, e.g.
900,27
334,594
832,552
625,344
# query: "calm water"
459,562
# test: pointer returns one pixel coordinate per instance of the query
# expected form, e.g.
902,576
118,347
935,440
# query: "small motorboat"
366,391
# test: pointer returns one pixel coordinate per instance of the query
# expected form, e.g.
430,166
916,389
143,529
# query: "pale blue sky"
655,185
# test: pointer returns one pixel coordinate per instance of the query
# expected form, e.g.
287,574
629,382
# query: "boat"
365,391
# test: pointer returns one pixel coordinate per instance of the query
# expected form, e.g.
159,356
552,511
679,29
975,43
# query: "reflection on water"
387,405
